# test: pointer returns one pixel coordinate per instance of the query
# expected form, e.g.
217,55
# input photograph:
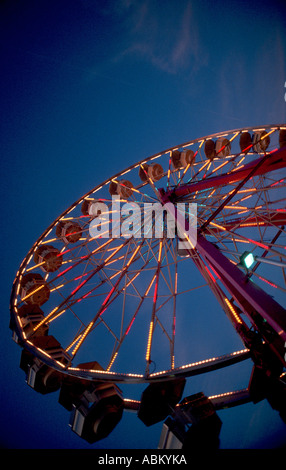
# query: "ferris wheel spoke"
169,170
270,283
127,330
105,302
174,314
131,322
155,297
65,302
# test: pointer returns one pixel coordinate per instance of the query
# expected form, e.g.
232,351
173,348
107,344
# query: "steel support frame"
251,298
274,160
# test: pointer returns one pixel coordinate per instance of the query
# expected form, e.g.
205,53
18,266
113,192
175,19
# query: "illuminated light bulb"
247,259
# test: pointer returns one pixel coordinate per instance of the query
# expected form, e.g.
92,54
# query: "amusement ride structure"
94,310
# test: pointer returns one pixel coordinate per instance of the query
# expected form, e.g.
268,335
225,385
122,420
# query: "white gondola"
122,188
222,147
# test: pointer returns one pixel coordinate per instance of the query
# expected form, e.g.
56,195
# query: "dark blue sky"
88,87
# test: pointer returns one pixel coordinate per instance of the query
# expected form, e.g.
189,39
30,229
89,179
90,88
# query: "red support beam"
270,162
271,218
242,288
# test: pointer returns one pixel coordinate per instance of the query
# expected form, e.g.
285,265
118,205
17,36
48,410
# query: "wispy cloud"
166,36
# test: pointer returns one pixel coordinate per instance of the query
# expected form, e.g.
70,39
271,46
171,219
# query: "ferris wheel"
135,282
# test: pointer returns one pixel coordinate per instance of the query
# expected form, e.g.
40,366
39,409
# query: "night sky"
87,88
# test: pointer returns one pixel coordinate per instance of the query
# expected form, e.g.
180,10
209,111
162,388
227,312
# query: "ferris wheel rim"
109,375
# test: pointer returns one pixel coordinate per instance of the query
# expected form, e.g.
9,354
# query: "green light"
247,259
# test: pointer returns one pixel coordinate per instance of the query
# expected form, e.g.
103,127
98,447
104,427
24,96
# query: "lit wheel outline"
210,156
